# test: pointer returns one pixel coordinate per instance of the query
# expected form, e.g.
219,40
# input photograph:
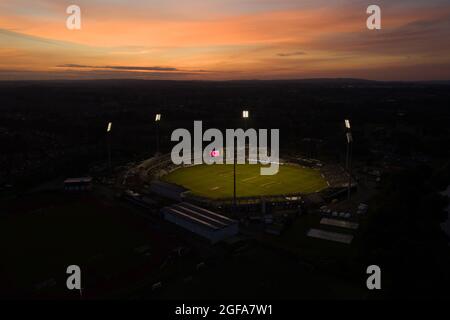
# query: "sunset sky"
224,39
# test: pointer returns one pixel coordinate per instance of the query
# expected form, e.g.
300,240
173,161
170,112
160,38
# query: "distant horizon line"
231,80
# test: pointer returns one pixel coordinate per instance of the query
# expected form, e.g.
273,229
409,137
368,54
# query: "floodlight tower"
234,180
157,123
349,155
348,129
108,137
245,116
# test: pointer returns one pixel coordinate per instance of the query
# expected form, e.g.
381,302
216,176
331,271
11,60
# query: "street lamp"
157,121
108,132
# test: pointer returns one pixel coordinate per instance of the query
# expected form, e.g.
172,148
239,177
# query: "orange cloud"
244,45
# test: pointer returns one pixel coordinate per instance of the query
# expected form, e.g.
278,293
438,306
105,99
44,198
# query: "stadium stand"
167,190
200,221
330,236
339,223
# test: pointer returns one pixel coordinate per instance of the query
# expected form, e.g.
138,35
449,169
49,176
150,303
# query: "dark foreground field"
41,235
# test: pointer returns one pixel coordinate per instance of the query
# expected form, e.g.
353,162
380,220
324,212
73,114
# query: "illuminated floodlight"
245,114
347,124
349,138
109,127
158,117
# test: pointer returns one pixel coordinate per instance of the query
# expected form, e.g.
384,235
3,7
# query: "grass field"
216,181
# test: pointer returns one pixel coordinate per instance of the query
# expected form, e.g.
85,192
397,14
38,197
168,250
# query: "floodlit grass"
216,181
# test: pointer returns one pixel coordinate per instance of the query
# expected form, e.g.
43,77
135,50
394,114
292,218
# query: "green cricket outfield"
216,181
